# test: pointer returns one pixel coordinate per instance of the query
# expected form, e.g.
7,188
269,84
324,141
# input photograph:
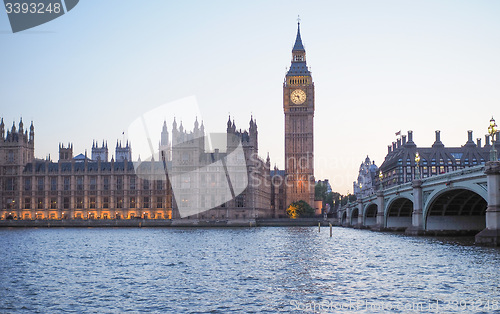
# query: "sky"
378,67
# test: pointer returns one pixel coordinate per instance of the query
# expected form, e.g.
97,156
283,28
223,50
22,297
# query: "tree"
300,209
332,198
351,197
320,191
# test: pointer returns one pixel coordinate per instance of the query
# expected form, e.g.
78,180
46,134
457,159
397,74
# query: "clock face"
298,96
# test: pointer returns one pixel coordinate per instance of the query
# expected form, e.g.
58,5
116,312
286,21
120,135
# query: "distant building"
399,165
367,179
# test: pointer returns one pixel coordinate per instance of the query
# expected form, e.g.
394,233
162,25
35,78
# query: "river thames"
252,270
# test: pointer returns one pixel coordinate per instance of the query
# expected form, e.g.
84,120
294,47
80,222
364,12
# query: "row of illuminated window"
433,169
426,169
118,202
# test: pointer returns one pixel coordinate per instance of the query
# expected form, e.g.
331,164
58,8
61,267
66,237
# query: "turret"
32,133
123,153
164,134
2,129
99,153
229,125
21,126
164,147
65,153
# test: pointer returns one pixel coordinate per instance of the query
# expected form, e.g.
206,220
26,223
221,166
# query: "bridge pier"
348,216
417,218
359,224
380,225
491,235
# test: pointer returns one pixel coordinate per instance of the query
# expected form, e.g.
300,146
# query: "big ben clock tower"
298,105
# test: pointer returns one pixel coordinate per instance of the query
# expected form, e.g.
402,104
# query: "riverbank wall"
147,223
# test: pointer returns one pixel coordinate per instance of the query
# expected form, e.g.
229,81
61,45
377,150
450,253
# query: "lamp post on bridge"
492,130
417,218
417,167
491,234
380,179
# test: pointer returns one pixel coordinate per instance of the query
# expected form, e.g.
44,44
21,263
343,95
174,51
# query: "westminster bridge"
465,201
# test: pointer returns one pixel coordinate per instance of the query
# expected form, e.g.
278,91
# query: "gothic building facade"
219,183
97,188
75,188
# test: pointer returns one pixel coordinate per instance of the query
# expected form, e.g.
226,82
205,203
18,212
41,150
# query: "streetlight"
417,168
492,130
381,178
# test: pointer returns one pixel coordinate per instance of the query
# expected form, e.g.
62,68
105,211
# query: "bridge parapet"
462,174
397,188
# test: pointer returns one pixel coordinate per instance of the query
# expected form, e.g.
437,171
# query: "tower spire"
298,46
298,66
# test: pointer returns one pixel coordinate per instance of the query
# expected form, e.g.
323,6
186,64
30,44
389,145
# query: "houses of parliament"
100,187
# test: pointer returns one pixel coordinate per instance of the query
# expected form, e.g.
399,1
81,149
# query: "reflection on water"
243,270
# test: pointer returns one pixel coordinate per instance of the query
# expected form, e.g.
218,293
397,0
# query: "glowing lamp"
492,129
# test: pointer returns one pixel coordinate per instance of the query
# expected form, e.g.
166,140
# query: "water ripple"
252,270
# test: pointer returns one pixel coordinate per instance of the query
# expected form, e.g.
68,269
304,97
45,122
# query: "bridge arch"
343,219
398,213
459,208
354,216
370,214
